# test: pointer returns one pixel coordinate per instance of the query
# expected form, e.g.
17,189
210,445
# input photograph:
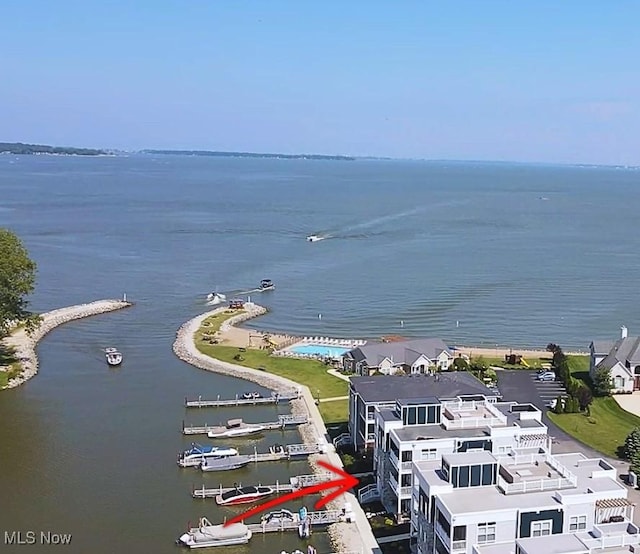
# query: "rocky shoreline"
354,537
25,345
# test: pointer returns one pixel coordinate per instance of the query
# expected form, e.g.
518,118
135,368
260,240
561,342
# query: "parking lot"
547,390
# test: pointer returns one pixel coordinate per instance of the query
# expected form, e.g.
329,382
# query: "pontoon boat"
207,535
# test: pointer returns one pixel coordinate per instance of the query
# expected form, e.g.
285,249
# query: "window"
486,532
618,382
406,455
422,415
577,523
541,528
429,454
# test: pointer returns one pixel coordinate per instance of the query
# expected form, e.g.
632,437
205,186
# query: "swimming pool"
319,350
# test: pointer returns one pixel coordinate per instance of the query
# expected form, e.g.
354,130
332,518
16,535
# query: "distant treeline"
247,155
20,148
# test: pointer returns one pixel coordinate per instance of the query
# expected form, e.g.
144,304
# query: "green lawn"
608,424
534,363
335,411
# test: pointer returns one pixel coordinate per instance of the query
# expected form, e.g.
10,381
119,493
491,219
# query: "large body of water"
472,253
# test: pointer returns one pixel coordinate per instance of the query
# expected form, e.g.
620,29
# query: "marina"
294,484
216,431
240,400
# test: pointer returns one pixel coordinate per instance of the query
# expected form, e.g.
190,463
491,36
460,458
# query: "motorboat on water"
235,428
267,284
214,298
243,495
113,356
194,456
207,535
251,395
224,464
314,238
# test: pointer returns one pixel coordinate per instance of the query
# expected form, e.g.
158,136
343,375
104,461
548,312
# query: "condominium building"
430,428
525,502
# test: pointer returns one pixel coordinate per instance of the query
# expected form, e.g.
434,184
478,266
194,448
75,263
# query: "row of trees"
17,281
580,395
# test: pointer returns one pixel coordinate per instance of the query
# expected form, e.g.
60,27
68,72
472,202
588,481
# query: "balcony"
405,466
457,546
611,535
394,459
405,491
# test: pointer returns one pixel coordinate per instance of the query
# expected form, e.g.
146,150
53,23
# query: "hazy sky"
554,81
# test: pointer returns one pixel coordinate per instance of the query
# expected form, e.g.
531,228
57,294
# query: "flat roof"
469,458
553,544
414,401
465,500
388,388
427,432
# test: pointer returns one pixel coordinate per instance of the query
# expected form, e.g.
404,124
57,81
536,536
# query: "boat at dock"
251,395
113,356
279,517
207,535
267,284
194,456
225,464
235,428
243,495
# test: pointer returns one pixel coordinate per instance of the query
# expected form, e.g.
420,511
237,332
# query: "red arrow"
344,484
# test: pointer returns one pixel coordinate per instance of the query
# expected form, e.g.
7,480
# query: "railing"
610,541
562,470
394,459
393,483
441,533
458,545
534,485
405,491
405,466
471,422
368,494
341,439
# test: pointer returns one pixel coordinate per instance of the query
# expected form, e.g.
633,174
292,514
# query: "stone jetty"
24,345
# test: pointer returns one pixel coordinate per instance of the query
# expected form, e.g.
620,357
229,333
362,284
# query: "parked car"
546,376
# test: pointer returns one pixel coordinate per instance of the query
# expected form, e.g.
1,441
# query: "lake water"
472,253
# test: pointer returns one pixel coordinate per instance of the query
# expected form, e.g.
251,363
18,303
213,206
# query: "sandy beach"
346,537
25,345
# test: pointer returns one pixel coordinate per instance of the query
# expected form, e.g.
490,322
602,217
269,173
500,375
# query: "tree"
584,396
558,407
635,463
602,384
631,444
17,281
460,364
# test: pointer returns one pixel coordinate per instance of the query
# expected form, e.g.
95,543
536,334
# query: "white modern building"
524,502
621,357
366,394
429,428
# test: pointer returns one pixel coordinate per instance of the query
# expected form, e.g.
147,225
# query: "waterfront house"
443,427
381,391
526,502
621,357
407,356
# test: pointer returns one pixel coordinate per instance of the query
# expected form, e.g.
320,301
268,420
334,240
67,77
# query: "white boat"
313,238
243,495
267,284
194,456
114,358
214,298
251,395
207,535
235,428
281,517
224,464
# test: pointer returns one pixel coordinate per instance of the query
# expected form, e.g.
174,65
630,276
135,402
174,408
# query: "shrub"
631,444
602,384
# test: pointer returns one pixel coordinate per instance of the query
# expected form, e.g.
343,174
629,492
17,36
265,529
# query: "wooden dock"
294,484
323,517
283,422
275,399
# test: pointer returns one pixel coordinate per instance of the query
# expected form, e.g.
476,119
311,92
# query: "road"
520,386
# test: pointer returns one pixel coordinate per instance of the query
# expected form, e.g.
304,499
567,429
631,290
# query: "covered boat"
243,495
197,453
207,535
224,464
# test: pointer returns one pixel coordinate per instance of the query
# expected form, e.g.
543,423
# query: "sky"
545,81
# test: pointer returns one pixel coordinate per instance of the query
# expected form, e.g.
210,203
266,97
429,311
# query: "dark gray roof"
387,388
402,352
624,350
602,346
